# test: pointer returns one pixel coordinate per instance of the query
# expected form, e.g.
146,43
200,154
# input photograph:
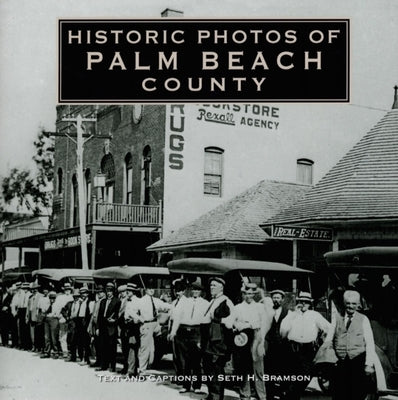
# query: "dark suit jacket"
111,313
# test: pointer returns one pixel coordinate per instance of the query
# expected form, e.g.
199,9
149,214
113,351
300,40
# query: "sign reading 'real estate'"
301,233
203,60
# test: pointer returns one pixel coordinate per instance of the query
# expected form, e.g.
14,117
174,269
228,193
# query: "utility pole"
80,183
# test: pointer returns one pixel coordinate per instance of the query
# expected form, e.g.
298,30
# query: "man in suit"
355,349
83,320
276,346
6,316
107,325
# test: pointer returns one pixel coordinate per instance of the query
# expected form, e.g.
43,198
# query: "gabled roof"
236,220
363,185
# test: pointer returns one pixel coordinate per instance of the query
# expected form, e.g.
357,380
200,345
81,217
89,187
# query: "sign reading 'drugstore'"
70,241
301,233
199,60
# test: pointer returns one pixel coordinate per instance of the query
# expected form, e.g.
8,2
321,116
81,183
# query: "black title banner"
180,60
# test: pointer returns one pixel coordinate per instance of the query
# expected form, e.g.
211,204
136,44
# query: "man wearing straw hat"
247,320
32,314
302,329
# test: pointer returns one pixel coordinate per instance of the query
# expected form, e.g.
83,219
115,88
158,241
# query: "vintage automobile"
268,275
22,274
373,272
55,278
140,275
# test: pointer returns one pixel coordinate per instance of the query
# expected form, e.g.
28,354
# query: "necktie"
154,312
193,309
50,309
106,306
349,319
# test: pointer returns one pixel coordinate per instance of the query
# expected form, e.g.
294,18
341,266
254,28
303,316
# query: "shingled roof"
236,220
363,185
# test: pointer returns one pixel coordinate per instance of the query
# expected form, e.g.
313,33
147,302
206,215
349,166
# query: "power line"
369,108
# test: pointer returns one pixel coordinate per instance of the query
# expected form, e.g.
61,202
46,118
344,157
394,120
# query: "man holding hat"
217,348
302,328
107,326
148,308
247,319
92,328
62,300
132,324
70,313
83,319
32,314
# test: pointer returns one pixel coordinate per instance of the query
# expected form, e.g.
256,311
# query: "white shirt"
213,305
189,311
146,310
367,335
252,314
75,308
56,309
303,327
63,299
131,310
43,303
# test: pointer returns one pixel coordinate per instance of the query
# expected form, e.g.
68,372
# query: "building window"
304,171
59,181
74,202
87,190
213,171
128,179
108,169
146,175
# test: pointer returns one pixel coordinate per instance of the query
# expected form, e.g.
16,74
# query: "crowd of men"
262,337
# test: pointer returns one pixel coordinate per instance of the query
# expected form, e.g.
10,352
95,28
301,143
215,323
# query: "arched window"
146,175
128,178
304,172
108,169
87,191
74,202
59,181
213,169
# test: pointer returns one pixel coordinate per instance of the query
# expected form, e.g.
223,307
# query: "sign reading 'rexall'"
301,233
183,60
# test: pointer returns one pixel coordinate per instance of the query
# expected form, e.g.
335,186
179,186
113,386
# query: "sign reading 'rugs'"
301,233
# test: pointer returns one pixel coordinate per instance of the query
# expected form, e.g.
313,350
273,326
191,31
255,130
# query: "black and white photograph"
208,219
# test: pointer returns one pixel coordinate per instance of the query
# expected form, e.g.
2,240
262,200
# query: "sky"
28,66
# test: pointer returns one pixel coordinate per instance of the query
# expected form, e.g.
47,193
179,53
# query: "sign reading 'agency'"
185,60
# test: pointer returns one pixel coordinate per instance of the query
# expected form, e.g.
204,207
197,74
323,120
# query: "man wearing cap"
354,345
148,308
83,319
32,314
42,305
107,327
93,325
70,313
187,317
122,327
63,299
302,328
217,346
51,328
247,319
276,349
132,325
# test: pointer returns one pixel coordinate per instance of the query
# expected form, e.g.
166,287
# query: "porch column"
19,258
295,256
93,247
3,260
